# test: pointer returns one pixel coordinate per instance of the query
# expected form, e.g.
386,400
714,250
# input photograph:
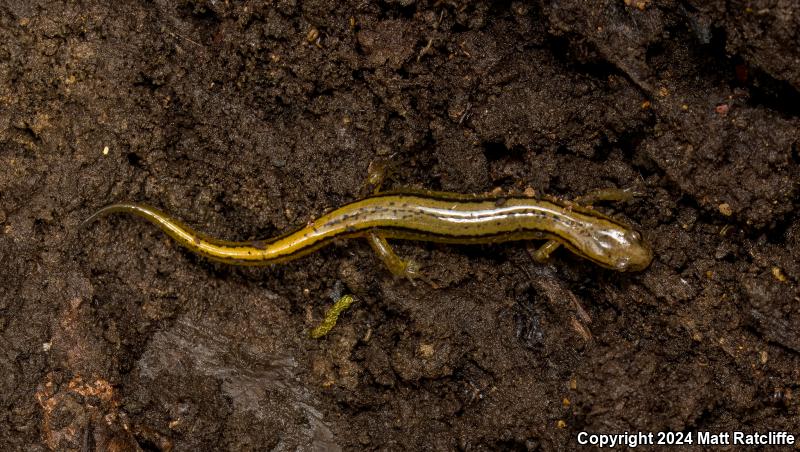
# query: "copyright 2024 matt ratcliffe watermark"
699,438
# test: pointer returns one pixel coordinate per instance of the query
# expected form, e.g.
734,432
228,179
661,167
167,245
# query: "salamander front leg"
393,262
377,173
542,254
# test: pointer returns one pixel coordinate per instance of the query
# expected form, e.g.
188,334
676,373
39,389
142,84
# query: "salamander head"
619,248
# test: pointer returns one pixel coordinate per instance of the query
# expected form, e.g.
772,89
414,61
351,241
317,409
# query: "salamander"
426,216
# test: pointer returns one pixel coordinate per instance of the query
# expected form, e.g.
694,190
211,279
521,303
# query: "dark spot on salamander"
350,229
196,240
499,202
259,244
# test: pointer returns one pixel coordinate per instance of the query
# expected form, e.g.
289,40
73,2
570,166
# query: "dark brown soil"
247,118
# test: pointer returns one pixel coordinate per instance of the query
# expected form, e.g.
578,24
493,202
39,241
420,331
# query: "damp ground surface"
246,119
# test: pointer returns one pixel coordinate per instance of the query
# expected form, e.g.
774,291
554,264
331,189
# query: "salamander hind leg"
395,264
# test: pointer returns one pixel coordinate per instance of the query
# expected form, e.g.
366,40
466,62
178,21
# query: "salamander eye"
633,236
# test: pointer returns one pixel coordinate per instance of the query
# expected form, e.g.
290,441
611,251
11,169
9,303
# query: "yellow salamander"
426,216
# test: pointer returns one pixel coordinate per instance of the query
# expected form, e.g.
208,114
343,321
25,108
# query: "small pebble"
778,274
